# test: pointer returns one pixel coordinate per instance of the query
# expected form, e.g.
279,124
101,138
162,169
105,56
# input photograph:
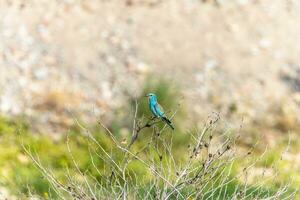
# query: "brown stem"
138,129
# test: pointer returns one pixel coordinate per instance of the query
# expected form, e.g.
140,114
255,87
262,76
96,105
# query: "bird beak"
146,95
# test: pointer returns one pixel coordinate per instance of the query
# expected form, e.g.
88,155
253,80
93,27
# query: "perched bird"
157,110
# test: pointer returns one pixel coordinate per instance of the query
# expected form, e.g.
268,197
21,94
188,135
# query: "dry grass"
205,171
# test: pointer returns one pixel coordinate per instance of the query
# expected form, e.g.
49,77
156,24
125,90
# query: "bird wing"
159,110
152,109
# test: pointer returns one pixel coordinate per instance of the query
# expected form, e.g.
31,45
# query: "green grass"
18,172
20,175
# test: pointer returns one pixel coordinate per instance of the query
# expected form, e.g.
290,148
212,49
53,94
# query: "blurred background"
91,59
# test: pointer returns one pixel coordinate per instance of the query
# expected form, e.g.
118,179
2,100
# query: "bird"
157,110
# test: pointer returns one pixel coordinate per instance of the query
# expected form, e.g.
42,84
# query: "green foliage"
22,177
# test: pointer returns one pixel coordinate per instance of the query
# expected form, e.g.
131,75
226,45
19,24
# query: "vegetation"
148,162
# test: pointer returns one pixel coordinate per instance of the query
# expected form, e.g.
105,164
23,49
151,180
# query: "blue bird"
157,110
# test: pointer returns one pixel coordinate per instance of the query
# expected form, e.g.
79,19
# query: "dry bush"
206,170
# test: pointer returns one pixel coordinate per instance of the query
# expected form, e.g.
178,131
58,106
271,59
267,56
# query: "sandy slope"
85,56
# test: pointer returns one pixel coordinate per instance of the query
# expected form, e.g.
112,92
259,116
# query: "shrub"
207,168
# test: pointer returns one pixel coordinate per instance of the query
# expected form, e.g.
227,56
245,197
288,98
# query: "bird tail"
168,122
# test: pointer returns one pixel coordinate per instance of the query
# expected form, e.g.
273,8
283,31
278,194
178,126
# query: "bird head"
151,96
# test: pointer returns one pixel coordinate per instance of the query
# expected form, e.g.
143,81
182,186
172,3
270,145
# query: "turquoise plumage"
157,110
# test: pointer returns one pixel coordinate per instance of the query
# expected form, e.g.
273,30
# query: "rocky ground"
84,57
